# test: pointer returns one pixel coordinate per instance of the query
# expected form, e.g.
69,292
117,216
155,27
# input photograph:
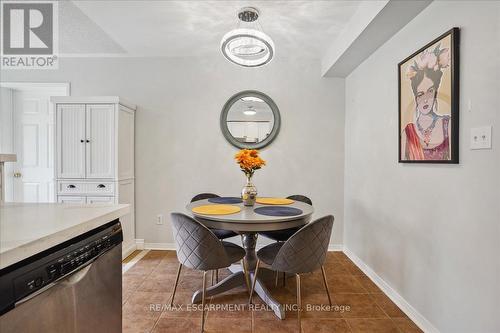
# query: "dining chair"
220,233
283,235
198,248
304,252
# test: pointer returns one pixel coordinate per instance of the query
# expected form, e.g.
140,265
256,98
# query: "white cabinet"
100,123
85,140
95,154
71,140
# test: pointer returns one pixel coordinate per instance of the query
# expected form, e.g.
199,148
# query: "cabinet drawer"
104,188
91,188
92,200
71,200
67,187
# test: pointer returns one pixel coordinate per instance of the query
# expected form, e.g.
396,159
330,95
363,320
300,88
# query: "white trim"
93,100
159,246
36,85
140,244
134,261
409,310
335,247
128,250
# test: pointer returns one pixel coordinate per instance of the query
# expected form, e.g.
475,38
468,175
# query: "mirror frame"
250,93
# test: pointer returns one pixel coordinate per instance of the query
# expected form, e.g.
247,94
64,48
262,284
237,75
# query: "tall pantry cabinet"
95,154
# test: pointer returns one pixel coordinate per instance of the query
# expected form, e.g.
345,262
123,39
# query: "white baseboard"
134,261
140,244
126,251
159,246
335,247
409,310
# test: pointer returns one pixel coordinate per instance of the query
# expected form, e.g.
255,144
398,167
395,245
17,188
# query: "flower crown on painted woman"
432,59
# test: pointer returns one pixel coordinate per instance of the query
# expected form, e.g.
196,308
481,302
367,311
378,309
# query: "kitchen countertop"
27,229
8,158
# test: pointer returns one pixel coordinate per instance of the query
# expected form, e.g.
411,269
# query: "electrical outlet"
159,219
480,137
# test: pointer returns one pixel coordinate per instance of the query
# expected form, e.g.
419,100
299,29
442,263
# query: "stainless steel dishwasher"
75,286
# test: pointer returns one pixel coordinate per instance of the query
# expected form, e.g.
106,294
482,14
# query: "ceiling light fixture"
248,45
250,112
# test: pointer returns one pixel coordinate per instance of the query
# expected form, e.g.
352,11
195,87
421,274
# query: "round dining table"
248,224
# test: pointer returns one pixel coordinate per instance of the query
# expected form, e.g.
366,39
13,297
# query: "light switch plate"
480,137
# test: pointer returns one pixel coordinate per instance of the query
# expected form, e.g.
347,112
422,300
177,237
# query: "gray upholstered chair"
220,233
304,252
198,248
283,235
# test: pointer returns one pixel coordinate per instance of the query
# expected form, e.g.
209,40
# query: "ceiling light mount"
248,14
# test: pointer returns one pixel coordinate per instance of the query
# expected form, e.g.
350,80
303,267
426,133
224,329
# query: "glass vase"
249,193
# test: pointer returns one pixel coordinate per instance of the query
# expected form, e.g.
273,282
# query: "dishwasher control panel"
56,265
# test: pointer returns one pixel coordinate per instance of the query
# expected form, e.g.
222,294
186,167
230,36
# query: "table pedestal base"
237,279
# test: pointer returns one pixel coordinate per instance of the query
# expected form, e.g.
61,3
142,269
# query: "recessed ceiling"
195,28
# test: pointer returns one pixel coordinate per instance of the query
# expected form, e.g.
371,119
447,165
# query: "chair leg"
299,301
284,279
254,280
203,301
276,278
175,285
326,285
212,279
245,272
216,276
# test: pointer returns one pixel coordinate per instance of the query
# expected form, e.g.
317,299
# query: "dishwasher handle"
76,277
68,280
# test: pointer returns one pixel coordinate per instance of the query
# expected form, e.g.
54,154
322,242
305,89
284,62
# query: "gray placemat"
278,211
225,200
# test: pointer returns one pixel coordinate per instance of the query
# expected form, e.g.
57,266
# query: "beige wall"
180,150
432,232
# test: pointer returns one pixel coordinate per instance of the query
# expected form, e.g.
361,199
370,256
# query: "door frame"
29,85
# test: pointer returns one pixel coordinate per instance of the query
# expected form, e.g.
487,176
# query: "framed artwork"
428,102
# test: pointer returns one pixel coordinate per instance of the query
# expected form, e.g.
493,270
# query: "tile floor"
147,288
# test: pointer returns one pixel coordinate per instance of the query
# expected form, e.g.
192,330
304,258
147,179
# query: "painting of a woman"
426,107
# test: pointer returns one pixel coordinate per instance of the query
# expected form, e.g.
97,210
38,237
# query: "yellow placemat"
274,201
216,209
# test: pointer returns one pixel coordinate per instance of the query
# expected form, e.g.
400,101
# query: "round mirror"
250,119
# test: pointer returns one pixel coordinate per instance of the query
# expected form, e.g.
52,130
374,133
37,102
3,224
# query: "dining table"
248,223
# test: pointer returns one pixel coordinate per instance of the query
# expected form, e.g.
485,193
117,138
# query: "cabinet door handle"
82,141
101,186
71,186
87,141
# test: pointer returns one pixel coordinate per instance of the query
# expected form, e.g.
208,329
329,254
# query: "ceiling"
195,28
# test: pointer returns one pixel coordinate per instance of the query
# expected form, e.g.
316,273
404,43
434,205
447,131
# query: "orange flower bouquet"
249,161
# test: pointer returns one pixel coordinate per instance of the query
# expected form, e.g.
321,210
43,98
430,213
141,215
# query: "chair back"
197,247
306,250
203,196
301,198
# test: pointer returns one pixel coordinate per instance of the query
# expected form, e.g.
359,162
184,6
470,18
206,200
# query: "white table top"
27,229
248,220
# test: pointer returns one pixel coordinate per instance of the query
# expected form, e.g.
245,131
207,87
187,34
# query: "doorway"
27,128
